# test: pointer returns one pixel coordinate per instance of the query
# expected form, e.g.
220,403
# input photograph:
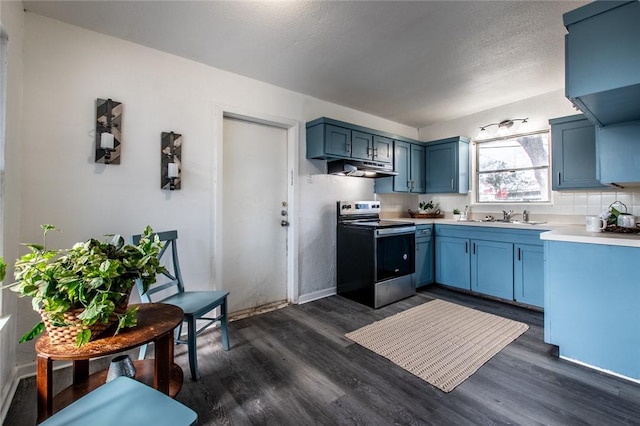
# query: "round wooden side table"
156,322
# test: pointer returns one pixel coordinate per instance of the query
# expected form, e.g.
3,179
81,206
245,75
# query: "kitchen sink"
513,221
530,222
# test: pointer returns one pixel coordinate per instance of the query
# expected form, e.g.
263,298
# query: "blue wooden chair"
195,304
124,402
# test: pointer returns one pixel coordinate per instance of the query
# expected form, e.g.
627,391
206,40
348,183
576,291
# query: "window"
514,169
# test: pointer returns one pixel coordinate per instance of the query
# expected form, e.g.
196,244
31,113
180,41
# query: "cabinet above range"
329,139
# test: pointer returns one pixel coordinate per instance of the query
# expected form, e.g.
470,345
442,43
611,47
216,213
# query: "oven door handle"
386,232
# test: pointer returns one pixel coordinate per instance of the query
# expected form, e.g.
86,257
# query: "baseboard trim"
316,295
602,370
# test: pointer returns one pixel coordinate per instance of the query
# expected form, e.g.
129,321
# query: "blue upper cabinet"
574,165
329,139
447,166
408,162
361,145
618,147
337,140
382,149
602,60
402,165
417,171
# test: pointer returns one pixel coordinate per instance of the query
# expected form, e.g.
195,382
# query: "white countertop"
578,234
552,231
517,225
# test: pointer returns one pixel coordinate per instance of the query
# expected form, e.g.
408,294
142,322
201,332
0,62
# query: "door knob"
284,223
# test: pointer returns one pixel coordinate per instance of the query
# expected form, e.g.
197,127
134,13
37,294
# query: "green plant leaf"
83,337
128,320
34,332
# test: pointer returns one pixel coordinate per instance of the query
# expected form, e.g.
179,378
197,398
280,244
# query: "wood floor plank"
295,367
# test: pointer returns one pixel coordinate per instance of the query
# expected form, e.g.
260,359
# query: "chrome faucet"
465,213
506,215
525,216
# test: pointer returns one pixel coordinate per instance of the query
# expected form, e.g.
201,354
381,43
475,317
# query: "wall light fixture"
108,131
504,128
171,161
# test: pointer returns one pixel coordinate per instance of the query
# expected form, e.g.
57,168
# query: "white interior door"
254,197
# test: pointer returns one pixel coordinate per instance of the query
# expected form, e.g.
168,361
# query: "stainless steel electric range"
375,258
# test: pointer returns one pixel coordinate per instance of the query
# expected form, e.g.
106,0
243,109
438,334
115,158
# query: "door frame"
292,128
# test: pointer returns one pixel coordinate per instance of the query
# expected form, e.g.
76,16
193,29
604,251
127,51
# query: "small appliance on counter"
375,258
618,219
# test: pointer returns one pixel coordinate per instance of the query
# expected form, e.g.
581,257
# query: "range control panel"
347,208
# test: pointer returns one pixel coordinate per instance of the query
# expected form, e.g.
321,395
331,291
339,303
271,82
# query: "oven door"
395,252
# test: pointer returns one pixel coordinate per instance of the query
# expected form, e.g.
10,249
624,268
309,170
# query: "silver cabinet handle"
451,183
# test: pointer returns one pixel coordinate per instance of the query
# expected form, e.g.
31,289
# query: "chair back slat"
175,280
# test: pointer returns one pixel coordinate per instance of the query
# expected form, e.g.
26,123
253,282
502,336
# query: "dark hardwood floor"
294,366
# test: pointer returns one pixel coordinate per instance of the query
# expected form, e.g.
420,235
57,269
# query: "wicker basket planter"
417,215
60,335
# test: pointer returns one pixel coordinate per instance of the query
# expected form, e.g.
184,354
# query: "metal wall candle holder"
171,161
108,131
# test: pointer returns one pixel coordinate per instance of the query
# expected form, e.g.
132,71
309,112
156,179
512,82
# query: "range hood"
355,168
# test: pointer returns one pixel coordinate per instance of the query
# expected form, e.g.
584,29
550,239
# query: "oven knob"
404,256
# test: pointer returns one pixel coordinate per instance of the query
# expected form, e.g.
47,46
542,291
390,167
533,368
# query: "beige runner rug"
440,342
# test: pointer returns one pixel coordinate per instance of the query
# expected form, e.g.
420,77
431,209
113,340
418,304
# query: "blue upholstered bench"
124,402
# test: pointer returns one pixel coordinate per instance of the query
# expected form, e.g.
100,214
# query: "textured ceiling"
416,63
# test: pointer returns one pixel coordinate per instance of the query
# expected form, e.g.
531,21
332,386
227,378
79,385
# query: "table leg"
80,371
44,383
163,362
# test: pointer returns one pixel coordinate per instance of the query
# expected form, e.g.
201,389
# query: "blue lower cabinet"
492,268
425,273
504,263
592,300
528,274
452,262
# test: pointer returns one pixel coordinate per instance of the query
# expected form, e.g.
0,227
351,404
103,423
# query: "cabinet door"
492,268
337,141
441,168
528,284
402,165
418,172
619,152
361,145
602,61
574,155
452,262
424,261
382,149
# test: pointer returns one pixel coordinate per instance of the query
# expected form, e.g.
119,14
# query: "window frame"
477,172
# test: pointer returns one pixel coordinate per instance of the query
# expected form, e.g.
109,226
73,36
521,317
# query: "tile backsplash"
569,207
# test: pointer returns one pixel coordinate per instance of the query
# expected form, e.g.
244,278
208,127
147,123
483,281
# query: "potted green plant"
456,214
81,291
424,207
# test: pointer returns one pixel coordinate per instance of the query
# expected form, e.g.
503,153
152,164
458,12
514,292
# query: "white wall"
11,16
67,68
566,206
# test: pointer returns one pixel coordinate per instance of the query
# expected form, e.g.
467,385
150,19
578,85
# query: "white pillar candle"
173,170
106,141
